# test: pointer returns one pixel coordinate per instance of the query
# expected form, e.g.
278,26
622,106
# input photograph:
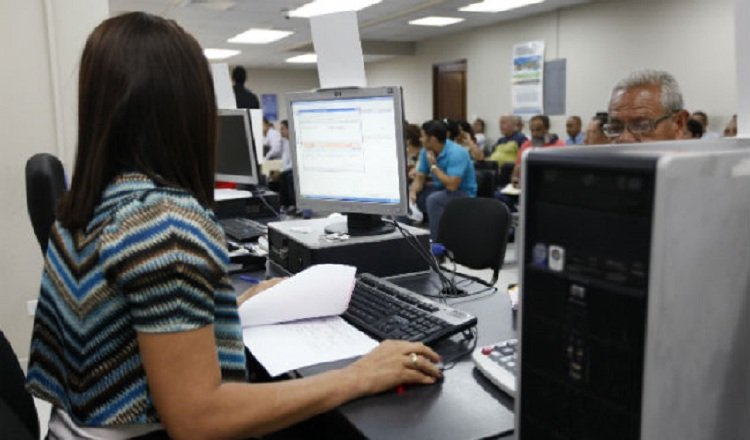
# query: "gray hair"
671,96
517,120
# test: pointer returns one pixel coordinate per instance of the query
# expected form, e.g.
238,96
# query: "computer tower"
297,245
635,300
263,204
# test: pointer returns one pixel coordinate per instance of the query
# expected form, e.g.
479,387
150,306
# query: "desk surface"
465,405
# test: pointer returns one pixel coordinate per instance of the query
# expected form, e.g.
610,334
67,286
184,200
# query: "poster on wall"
527,78
270,105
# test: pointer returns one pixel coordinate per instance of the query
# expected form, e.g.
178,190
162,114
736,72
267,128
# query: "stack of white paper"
295,323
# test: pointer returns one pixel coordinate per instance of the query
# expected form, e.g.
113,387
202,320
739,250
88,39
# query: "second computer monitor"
235,155
348,152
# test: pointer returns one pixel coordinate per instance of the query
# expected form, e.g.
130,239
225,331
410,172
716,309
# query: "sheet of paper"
339,49
223,86
320,290
285,347
511,190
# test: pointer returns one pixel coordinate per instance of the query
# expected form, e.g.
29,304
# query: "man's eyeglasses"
637,127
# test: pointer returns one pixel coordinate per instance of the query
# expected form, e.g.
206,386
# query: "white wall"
41,44
692,39
281,81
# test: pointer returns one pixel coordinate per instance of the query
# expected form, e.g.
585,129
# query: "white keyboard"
498,363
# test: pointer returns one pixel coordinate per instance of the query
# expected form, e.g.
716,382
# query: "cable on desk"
471,336
424,253
268,205
446,285
488,288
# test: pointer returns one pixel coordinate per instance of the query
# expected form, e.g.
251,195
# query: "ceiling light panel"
436,21
306,58
498,5
259,36
322,7
219,54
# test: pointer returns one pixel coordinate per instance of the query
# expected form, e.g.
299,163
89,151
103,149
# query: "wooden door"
449,90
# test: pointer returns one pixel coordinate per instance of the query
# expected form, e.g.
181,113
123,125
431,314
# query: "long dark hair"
145,104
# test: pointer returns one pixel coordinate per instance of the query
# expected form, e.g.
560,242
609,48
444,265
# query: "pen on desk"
249,279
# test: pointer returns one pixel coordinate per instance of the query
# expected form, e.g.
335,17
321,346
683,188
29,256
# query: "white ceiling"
212,22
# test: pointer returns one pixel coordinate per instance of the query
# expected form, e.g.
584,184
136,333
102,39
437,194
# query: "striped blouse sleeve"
166,256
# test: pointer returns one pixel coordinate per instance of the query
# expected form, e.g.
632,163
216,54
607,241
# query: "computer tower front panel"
584,286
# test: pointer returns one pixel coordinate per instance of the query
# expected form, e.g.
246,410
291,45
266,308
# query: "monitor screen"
235,158
348,150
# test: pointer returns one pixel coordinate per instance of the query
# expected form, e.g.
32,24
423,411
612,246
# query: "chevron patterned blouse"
151,260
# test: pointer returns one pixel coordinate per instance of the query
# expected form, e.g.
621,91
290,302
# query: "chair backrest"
505,174
486,173
45,184
18,418
475,231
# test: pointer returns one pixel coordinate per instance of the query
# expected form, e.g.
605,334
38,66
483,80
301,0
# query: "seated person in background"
453,130
143,336
466,139
286,179
731,129
702,118
540,137
646,106
452,172
506,148
694,129
594,131
479,127
413,135
271,141
573,128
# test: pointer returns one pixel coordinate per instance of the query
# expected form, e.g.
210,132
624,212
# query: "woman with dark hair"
467,139
136,331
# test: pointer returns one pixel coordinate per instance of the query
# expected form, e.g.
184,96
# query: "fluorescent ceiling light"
220,54
322,7
498,5
436,21
306,58
259,36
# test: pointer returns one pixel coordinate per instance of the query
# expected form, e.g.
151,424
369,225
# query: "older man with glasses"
646,106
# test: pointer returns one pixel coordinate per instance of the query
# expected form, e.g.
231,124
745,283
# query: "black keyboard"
387,311
242,229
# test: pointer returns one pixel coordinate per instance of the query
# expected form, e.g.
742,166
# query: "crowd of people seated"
645,106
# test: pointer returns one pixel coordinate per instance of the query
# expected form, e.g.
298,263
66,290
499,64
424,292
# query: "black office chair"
505,174
45,184
475,231
486,172
18,417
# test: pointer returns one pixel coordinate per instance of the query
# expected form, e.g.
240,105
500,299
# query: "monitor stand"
361,225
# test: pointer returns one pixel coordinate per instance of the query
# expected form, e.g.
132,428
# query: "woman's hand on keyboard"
393,363
256,289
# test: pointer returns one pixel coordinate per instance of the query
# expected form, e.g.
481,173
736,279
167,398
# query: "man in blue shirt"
451,169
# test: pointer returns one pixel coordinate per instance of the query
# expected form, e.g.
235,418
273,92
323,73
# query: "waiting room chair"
45,184
486,172
475,231
18,417
505,174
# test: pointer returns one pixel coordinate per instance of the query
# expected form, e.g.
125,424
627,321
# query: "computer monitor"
348,155
235,155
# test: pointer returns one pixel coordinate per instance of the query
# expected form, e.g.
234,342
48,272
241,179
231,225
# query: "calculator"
498,362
